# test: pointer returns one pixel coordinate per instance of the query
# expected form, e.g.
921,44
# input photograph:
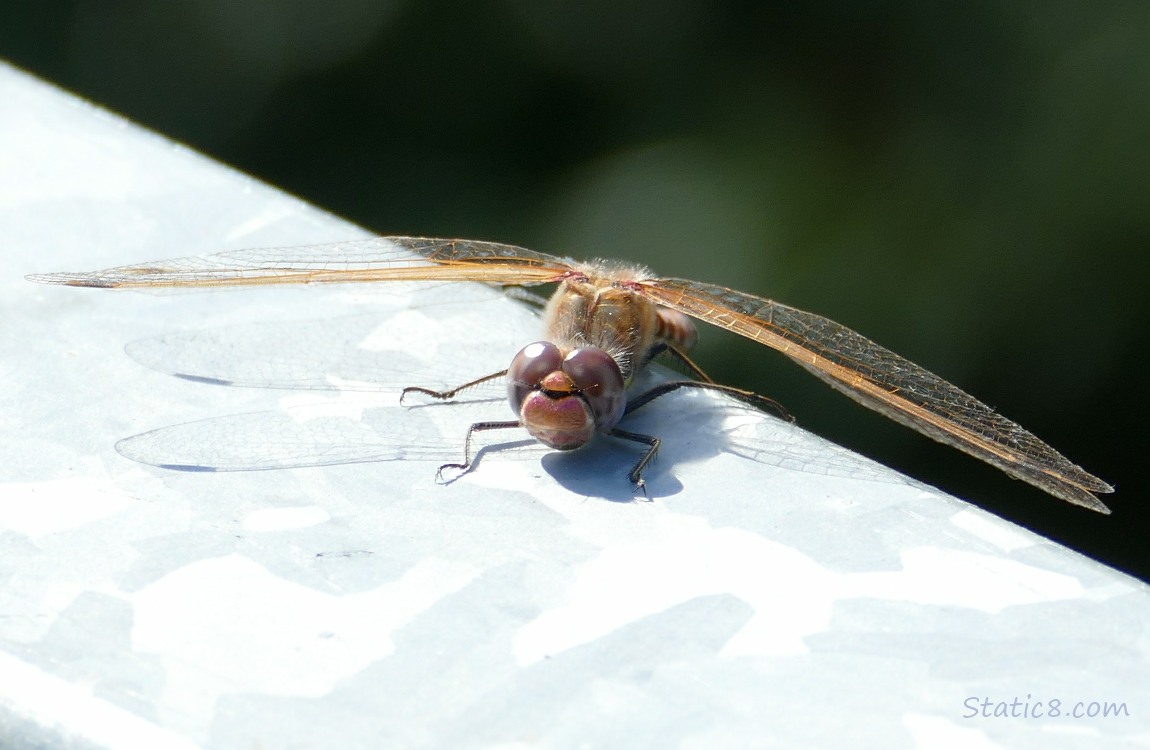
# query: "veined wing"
436,344
882,380
321,435
349,431
376,259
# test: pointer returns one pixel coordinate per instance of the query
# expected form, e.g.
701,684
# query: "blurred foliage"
966,183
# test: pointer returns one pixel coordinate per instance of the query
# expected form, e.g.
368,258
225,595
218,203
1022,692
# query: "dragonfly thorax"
606,312
562,399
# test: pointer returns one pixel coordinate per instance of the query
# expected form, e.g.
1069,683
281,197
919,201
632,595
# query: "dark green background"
966,183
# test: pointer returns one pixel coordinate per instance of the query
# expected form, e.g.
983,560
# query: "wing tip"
1096,505
1082,493
1081,496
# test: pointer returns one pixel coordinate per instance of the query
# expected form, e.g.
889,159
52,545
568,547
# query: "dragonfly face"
608,312
564,399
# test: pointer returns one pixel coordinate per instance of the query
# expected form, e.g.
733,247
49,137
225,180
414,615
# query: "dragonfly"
605,322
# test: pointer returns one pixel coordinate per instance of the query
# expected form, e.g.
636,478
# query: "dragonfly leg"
464,467
450,394
747,397
636,475
518,293
681,357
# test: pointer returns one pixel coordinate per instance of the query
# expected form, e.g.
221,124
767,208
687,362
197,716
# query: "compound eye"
597,377
533,363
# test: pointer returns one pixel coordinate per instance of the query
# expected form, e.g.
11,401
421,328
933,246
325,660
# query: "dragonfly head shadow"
691,428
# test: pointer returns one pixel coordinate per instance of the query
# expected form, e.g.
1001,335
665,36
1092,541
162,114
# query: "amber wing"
882,380
376,259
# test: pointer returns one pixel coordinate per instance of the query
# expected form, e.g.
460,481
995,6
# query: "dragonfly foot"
453,472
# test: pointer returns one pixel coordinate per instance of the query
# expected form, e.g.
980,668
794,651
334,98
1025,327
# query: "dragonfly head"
562,399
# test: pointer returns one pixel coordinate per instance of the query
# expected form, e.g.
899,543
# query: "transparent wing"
323,435
382,353
437,348
335,433
882,380
376,259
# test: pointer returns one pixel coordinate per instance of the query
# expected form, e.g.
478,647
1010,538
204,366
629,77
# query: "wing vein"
882,380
